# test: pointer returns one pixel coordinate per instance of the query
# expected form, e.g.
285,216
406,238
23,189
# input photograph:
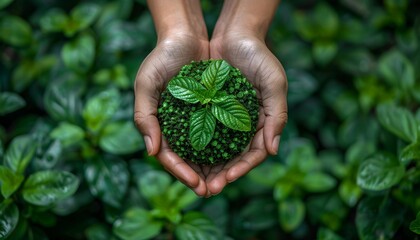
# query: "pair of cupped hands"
242,50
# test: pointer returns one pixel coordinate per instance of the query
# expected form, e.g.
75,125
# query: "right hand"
164,62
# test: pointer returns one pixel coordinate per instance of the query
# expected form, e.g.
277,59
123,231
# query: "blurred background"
73,166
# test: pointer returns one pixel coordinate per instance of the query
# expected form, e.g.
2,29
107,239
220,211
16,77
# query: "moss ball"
174,117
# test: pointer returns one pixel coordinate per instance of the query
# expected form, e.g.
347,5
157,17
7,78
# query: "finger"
216,179
201,190
274,100
149,127
238,167
217,169
256,155
147,93
180,169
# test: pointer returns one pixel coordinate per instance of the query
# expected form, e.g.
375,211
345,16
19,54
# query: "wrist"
248,17
178,18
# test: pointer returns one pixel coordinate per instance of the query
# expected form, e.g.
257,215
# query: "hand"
250,55
183,37
170,54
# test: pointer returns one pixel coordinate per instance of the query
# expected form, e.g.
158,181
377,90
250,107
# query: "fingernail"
149,145
276,142
208,194
198,195
232,180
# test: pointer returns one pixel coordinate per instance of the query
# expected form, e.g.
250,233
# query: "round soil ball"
174,119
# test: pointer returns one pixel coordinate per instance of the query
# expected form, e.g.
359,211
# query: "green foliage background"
74,167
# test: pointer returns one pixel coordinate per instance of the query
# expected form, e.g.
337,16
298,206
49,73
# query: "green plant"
348,165
166,200
209,90
28,196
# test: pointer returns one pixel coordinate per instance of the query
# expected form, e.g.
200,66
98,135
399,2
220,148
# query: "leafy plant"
167,200
216,104
212,102
21,189
289,182
73,166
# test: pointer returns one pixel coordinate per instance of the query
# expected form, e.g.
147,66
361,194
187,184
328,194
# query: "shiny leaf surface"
48,187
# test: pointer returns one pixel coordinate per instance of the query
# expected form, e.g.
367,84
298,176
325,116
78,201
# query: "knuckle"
139,120
282,118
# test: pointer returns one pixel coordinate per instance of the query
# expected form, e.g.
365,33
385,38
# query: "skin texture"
238,38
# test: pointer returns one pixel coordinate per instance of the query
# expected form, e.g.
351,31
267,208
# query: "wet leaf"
48,187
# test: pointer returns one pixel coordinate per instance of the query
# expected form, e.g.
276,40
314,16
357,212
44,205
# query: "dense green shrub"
74,167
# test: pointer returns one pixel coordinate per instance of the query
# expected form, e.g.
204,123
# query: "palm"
258,65
154,74
266,74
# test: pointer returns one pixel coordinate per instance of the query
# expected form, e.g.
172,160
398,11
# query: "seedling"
208,93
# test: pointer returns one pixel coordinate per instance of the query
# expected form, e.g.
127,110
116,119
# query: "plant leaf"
301,85
322,23
85,14
19,153
4,3
202,125
410,152
291,213
166,198
377,218
318,182
9,217
67,133
221,96
14,30
54,20
282,190
9,181
20,230
397,69
398,121
380,172
327,234
415,224
259,218
327,209
10,102
108,179
268,174
101,108
137,224
79,54
30,69
62,101
350,192
121,138
98,231
232,114
196,225
303,150
48,153
324,51
153,185
48,187
187,89
216,74
180,196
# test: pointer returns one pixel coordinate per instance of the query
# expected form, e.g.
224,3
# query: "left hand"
250,55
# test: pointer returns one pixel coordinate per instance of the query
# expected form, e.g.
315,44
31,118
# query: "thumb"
145,112
274,101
